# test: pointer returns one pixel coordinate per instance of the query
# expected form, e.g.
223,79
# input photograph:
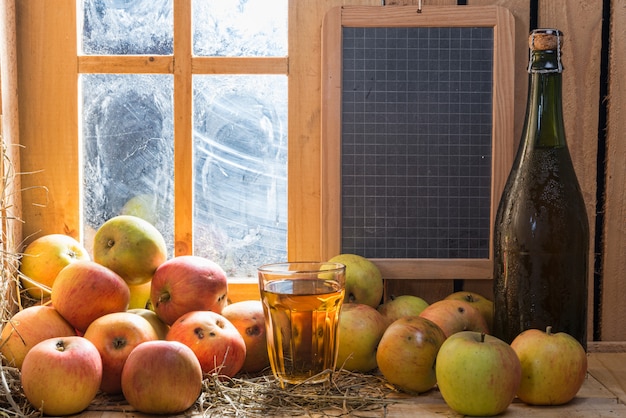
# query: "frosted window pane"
128,150
240,146
240,27
121,27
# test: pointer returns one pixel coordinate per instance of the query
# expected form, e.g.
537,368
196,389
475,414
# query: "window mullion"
183,130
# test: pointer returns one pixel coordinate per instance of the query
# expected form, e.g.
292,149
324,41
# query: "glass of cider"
302,302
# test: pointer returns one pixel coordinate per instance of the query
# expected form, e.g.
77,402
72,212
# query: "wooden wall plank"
614,250
304,97
47,69
581,23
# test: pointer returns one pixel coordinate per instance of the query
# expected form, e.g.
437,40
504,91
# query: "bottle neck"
544,114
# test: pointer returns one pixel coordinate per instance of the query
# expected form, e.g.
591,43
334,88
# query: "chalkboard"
417,117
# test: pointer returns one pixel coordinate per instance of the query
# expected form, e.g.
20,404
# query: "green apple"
407,352
143,206
130,246
360,329
455,315
44,257
477,374
554,366
364,282
400,306
484,305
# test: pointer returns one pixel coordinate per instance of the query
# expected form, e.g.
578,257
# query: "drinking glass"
302,302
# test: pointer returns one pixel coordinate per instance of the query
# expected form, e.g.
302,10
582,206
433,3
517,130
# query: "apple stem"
482,337
549,329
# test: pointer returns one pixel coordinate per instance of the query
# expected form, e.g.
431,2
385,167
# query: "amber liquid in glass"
302,323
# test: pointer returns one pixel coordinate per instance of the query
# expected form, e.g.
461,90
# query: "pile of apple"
417,346
132,322
128,321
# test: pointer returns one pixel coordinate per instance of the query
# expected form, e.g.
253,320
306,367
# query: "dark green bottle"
541,236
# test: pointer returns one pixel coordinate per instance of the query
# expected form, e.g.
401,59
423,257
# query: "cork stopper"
545,40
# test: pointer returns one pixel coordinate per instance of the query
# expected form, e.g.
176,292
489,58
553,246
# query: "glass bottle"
541,236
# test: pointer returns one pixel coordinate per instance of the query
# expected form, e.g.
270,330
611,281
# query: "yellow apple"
554,366
407,352
140,295
360,329
157,323
43,258
400,306
130,246
477,374
364,282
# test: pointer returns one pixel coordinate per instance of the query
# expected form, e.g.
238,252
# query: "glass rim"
283,267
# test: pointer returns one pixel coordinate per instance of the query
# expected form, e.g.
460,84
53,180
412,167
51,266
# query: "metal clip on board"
419,5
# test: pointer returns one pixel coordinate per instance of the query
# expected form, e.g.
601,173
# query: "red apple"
220,348
554,366
454,316
85,290
157,323
43,258
115,335
407,352
248,317
360,329
484,305
61,376
403,305
161,377
188,283
29,327
477,374
130,246
364,282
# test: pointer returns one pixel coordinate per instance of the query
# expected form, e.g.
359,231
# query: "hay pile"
348,394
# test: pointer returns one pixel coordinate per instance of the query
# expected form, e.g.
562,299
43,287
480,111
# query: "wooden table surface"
603,395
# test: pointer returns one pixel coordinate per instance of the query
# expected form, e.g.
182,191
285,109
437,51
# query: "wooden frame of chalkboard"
501,135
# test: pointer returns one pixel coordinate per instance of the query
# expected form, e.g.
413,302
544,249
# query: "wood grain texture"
48,91
183,130
10,212
581,22
304,97
614,249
